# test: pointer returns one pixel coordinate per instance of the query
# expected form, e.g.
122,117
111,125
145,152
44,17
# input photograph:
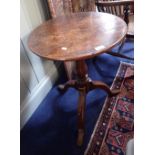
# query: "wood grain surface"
77,36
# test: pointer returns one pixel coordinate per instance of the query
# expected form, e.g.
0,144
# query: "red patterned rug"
115,125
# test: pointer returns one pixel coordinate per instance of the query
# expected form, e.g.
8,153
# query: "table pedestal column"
84,84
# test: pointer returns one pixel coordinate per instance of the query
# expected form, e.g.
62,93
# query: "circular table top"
77,36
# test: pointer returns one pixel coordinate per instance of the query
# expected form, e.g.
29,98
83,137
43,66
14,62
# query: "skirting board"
31,102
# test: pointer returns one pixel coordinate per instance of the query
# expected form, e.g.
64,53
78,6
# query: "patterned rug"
115,125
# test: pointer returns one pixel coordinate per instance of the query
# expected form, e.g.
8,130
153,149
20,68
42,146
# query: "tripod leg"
81,115
101,85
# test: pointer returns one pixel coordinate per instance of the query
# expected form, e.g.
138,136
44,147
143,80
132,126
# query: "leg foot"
61,87
64,87
114,92
80,137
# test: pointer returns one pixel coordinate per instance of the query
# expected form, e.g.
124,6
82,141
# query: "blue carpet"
52,128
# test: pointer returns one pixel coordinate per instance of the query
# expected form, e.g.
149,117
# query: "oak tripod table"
77,37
